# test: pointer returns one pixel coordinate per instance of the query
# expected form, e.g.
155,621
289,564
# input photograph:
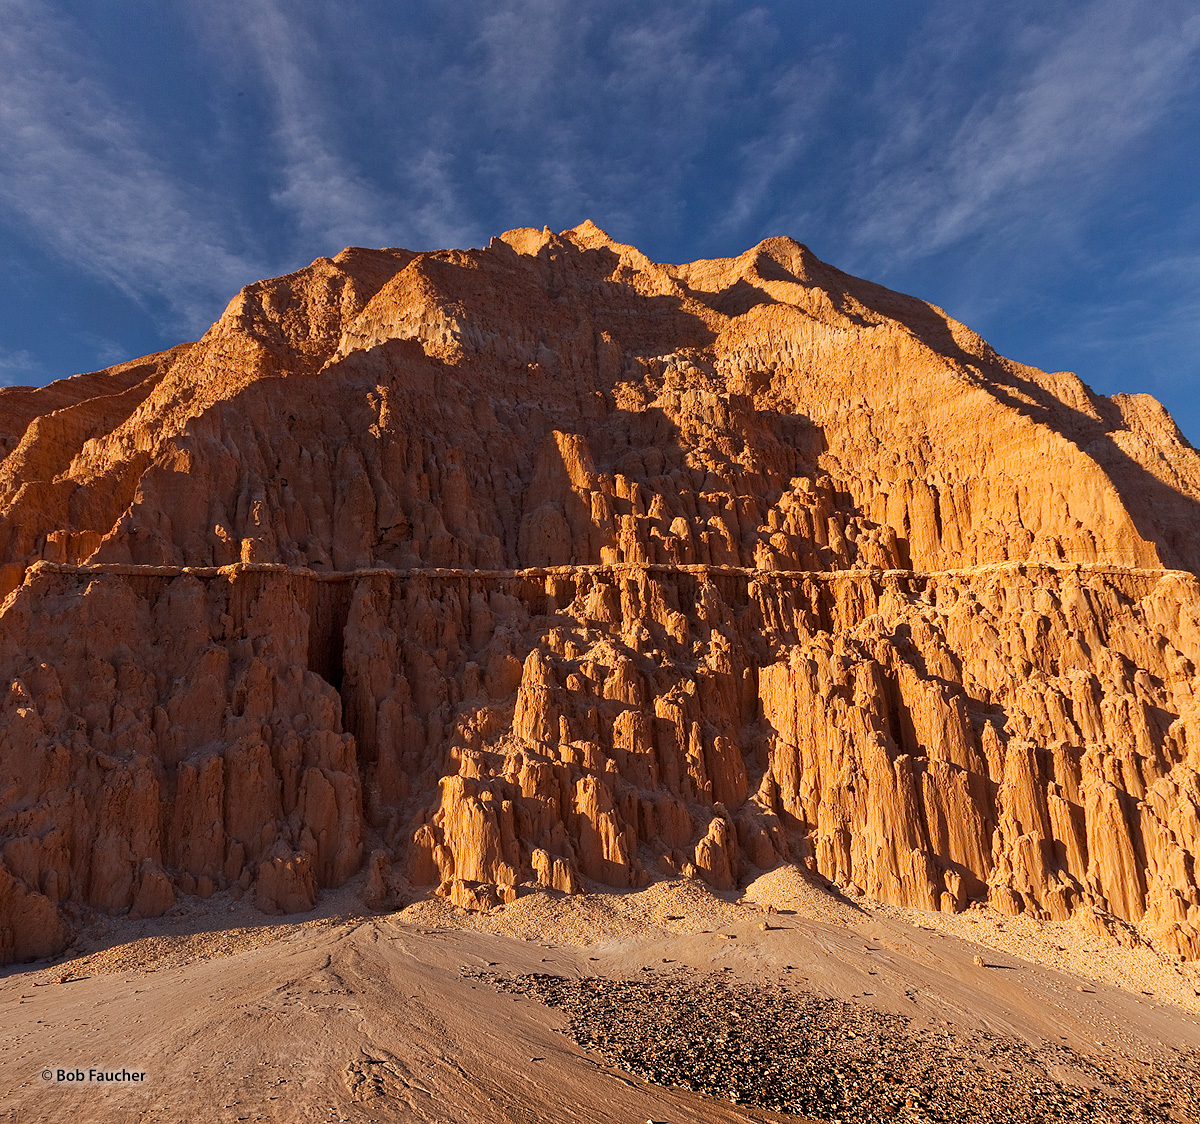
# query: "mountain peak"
546,566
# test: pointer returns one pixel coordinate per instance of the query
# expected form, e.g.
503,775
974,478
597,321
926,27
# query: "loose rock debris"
790,1051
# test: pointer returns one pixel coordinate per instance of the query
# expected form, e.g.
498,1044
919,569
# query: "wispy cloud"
318,179
623,113
79,174
794,102
1040,138
1146,329
20,368
535,109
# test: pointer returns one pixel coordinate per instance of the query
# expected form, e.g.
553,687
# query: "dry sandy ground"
343,1015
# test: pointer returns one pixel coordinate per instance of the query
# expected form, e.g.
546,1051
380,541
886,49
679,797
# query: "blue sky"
1032,167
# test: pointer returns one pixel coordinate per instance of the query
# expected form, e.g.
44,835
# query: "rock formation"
545,564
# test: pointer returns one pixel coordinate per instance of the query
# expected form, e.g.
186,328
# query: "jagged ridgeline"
545,564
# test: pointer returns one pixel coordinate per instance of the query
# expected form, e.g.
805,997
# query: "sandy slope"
347,1016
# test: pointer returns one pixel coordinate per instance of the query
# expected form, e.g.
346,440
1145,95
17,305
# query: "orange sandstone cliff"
548,565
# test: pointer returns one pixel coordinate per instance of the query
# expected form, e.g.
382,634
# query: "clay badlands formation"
545,565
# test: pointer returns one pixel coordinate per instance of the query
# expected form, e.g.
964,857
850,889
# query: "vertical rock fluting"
934,740
546,564
163,735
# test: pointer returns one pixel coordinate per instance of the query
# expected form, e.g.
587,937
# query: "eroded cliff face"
544,563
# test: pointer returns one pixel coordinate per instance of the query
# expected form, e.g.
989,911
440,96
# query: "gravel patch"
791,1051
